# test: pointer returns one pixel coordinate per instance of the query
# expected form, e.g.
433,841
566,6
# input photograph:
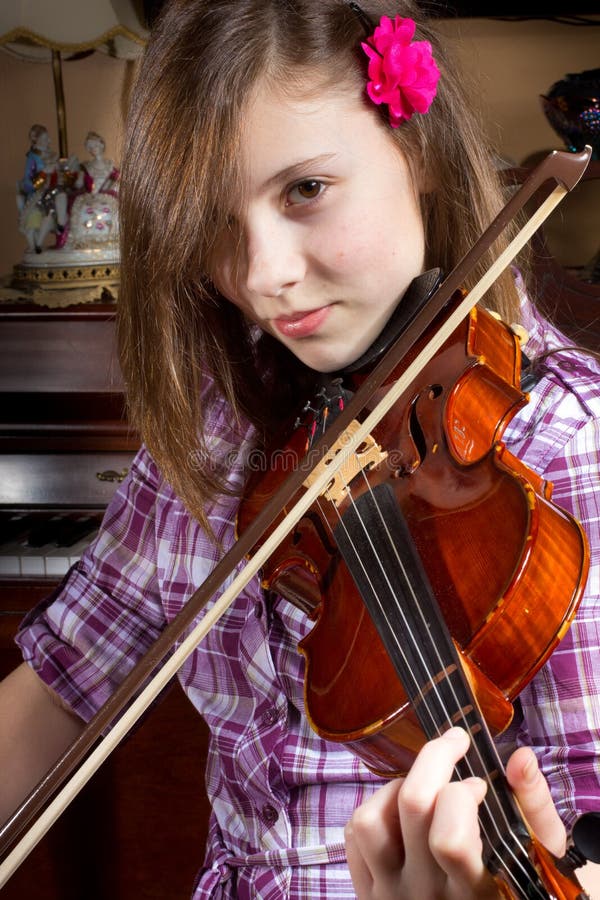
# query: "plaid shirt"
281,796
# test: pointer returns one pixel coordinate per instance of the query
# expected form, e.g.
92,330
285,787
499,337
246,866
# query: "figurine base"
64,269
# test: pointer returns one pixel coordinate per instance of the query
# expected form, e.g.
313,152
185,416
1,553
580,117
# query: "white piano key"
56,566
10,559
19,560
32,561
11,550
58,560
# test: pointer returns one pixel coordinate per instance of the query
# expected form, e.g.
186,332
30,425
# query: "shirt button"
258,609
269,814
270,716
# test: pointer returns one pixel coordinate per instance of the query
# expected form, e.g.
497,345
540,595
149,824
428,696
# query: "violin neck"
401,603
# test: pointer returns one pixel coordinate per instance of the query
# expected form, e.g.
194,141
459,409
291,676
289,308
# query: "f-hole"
433,392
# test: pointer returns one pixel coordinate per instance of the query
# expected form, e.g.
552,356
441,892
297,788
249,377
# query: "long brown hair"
180,178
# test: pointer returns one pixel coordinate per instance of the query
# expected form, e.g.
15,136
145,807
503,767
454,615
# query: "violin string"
400,649
433,683
367,576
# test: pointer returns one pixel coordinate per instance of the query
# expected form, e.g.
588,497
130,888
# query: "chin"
331,362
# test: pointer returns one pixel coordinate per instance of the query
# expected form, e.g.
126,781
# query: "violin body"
506,565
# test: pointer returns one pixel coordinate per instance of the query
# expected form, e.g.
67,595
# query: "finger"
533,795
455,839
374,846
360,871
429,775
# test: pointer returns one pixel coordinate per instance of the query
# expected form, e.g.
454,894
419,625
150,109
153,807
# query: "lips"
301,324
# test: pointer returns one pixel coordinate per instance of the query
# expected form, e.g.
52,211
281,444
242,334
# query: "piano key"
17,559
12,550
43,532
58,560
12,526
10,555
77,551
67,536
56,567
32,563
71,531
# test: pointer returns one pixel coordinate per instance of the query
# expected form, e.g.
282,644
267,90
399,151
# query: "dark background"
561,10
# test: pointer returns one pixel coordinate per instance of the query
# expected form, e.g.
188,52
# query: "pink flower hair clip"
402,73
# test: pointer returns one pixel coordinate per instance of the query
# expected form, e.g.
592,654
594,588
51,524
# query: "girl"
274,213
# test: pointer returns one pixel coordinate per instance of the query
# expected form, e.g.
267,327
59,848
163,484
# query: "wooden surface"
138,829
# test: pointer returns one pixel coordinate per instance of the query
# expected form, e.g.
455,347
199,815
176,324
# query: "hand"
418,837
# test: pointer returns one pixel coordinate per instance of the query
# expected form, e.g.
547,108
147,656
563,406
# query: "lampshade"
33,28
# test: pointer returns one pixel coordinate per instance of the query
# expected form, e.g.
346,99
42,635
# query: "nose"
275,260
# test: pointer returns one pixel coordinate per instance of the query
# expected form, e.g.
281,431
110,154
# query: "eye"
304,191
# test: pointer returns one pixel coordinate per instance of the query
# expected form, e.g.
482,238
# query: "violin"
424,333
439,576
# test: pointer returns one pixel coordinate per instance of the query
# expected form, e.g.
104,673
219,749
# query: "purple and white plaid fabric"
558,435
281,796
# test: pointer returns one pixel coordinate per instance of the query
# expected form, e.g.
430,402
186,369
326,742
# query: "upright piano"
138,828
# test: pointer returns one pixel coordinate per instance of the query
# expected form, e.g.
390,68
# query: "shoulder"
225,437
228,439
562,413
225,446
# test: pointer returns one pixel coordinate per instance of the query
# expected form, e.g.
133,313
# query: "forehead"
285,127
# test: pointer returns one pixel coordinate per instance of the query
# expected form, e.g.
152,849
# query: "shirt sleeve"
561,706
84,639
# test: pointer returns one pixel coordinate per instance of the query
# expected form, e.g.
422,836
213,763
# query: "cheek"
371,254
348,249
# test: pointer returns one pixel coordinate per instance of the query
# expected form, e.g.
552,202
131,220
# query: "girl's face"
331,234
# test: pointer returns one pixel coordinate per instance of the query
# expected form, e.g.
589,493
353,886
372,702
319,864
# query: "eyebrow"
296,170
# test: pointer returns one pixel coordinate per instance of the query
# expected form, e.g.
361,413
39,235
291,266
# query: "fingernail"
455,734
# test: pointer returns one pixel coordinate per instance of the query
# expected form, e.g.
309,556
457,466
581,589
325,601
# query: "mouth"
301,324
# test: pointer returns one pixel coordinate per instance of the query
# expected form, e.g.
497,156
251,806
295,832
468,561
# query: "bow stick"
565,170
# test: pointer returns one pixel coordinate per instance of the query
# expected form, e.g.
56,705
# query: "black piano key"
44,532
70,530
13,527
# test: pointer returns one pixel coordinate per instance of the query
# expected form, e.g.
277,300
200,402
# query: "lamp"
36,30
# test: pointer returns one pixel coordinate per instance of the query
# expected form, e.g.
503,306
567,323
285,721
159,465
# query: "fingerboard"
377,547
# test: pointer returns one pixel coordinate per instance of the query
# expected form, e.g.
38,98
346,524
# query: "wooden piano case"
138,829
